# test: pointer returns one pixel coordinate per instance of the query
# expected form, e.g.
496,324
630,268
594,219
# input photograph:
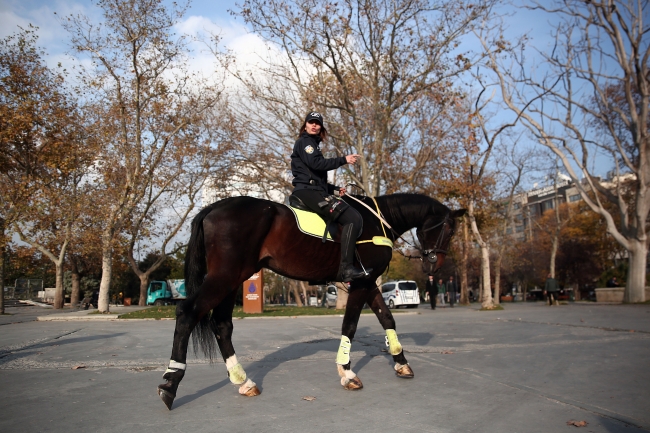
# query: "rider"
309,168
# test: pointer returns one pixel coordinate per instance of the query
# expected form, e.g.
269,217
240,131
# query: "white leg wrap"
235,371
394,347
247,386
346,375
174,367
398,366
343,356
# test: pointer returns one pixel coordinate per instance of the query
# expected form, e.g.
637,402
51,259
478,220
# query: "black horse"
236,237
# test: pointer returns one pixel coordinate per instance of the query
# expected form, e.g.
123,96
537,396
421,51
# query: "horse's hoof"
167,397
252,392
405,372
353,384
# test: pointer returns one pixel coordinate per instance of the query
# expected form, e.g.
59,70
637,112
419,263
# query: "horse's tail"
195,270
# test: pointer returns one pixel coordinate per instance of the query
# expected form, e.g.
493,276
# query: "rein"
431,255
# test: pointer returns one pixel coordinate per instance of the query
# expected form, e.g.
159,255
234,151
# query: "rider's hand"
352,159
341,191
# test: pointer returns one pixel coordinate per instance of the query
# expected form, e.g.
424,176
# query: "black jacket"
432,288
309,164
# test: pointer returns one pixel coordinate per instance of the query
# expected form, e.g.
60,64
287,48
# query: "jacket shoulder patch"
309,149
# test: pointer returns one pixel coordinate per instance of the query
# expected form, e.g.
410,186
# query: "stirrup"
349,273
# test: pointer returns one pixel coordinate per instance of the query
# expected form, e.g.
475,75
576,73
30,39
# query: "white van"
401,292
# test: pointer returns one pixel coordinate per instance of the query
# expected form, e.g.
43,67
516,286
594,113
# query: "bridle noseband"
432,255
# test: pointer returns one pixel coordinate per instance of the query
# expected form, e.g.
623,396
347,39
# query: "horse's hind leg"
376,302
188,314
349,379
222,320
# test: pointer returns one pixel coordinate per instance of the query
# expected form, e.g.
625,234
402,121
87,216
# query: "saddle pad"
310,223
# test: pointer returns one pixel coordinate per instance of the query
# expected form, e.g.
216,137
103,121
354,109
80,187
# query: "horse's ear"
457,213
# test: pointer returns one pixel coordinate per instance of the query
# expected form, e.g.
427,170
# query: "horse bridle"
432,255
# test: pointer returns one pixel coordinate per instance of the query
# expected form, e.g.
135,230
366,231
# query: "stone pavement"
530,368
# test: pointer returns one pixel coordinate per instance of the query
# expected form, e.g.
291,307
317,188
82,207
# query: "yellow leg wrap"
394,348
235,371
343,356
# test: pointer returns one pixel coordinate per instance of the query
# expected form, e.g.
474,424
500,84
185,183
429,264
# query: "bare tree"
516,163
592,102
148,104
375,69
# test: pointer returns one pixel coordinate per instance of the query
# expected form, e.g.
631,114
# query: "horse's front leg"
222,321
349,379
376,302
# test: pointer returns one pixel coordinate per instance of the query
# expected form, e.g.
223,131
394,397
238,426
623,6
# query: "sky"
202,16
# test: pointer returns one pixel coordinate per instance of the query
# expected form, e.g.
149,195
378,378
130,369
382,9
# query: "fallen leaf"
309,398
577,423
447,352
77,367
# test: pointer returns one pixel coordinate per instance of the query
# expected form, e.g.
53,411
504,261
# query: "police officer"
309,168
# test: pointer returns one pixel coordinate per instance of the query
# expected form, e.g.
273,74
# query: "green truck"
167,292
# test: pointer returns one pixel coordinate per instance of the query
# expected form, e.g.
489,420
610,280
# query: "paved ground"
530,368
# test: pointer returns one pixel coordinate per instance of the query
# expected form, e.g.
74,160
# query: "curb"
115,318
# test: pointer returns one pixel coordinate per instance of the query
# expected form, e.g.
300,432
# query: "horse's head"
434,236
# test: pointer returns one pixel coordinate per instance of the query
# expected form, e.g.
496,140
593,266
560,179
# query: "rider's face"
313,127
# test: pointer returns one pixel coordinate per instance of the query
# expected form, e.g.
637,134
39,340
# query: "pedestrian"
309,168
452,288
442,290
612,282
432,291
550,290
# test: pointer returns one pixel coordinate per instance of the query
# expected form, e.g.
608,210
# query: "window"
575,197
387,288
509,231
408,286
519,229
517,205
546,205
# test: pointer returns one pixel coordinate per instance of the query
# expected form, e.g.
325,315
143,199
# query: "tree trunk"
105,284
296,294
487,299
59,296
74,294
464,286
636,274
554,244
304,292
341,296
497,278
2,271
144,284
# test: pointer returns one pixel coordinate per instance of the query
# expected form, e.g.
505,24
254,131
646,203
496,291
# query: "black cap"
314,115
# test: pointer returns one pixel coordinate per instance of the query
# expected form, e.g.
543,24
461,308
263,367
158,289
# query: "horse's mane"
404,209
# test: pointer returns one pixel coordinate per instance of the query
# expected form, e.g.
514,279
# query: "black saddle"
295,201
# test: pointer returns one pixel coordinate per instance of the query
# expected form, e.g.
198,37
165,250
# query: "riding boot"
347,270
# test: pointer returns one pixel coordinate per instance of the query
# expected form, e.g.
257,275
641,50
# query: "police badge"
309,149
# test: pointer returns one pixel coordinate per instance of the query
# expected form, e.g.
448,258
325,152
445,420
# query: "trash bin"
127,302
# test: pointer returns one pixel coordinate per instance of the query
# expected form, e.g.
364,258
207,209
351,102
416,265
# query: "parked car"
403,292
330,296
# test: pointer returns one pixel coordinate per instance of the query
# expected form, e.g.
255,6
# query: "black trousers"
311,198
433,297
550,297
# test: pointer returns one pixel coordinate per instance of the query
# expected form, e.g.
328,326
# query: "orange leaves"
577,423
